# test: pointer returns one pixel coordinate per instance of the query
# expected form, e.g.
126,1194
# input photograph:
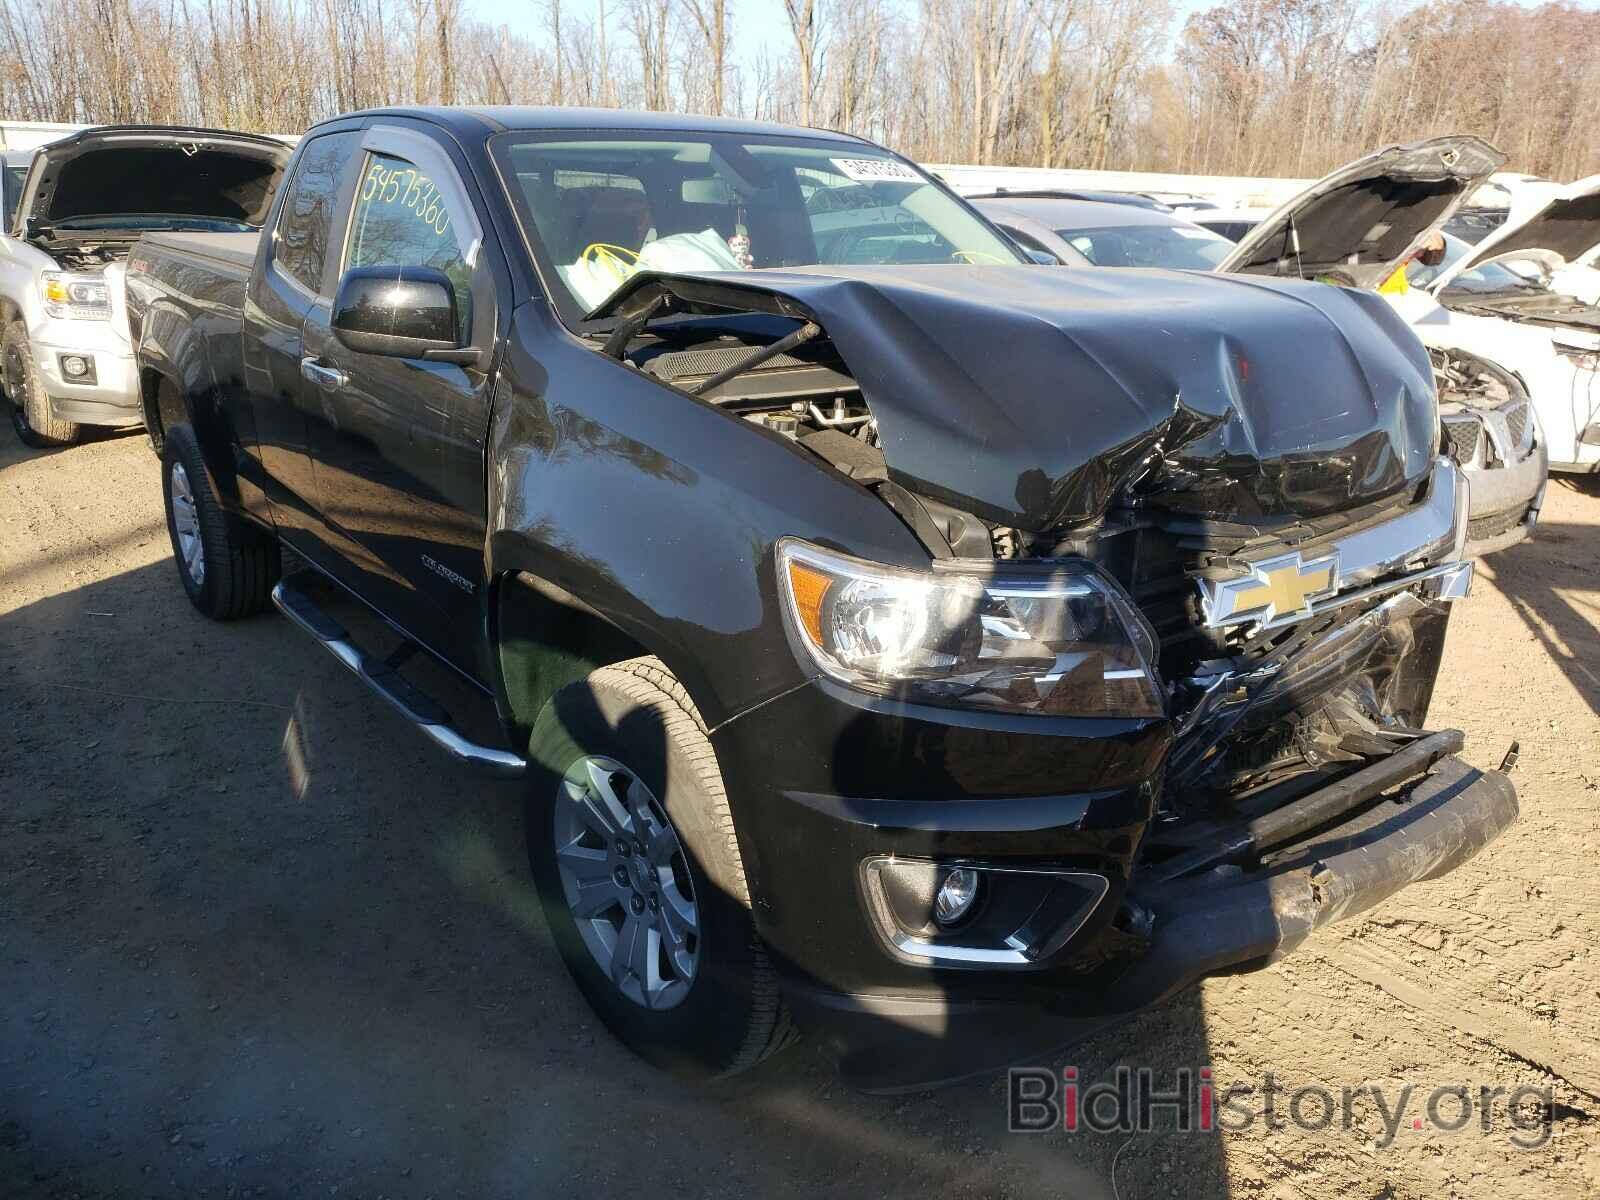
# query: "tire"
726,1014
30,404
227,568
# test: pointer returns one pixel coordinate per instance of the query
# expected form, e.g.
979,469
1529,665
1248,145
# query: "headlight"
1047,638
75,297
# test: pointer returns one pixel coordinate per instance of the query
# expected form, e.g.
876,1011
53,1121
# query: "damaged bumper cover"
1229,921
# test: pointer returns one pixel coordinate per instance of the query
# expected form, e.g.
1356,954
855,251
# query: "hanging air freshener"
739,243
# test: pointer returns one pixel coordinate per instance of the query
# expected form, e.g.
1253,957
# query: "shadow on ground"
1552,582
259,941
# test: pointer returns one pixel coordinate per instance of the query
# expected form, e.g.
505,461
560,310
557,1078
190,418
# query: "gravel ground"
255,939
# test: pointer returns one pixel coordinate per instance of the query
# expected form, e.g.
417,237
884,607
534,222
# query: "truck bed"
235,251
185,297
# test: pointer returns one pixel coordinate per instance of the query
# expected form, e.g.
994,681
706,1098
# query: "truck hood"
1036,398
98,184
1366,217
1563,229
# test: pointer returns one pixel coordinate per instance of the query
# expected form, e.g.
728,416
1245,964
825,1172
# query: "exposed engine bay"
1263,712
1469,388
89,257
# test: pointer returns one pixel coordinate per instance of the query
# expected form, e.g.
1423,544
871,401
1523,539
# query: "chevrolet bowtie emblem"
1275,592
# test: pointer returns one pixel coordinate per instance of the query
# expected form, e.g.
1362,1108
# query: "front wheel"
227,568
30,405
633,850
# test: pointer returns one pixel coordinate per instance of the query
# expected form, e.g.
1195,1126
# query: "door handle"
330,378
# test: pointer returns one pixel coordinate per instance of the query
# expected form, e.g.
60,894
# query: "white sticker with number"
875,170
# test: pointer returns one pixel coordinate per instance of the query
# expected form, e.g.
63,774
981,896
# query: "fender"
172,348
629,495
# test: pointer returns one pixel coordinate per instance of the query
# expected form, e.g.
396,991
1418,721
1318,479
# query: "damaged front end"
1492,434
1138,504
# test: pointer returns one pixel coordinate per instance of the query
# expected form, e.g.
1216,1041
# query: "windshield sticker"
875,170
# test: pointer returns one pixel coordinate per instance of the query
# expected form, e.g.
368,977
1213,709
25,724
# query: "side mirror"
1043,258
401,312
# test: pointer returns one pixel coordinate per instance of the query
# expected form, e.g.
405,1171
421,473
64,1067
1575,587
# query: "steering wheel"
618,260
977,257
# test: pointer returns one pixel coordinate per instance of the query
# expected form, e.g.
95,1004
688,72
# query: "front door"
398,445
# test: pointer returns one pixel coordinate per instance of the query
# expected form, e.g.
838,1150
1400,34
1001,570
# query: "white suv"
73,210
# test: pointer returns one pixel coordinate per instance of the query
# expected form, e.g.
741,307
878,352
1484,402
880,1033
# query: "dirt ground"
255,939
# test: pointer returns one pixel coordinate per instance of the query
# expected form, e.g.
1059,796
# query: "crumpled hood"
1035,397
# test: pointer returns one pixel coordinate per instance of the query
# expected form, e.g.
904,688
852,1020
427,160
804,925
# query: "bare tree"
1286,87
711,19
808,53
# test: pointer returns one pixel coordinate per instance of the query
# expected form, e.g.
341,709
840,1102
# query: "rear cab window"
305,223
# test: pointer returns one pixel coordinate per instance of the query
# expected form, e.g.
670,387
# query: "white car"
1516,370
1525,297
73,209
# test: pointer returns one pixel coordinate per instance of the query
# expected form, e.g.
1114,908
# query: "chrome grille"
1518,425
1465,435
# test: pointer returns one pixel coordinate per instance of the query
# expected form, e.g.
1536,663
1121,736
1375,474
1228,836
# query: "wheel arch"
161,403
178,384
543,636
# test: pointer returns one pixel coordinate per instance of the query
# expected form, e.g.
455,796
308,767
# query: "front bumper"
113,397
1504,502
1225,923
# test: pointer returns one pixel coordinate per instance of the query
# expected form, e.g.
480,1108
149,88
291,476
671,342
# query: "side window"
13,180
403,219
300,247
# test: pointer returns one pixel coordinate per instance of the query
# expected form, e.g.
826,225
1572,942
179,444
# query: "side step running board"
430,719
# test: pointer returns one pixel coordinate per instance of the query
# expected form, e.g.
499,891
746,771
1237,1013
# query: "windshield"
599,209
1487,277
1175,247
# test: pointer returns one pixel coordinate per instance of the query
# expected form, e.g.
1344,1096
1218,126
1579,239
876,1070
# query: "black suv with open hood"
951,655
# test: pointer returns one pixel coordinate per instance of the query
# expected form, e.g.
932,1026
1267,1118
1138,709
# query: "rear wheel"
632,847
30,405
227,568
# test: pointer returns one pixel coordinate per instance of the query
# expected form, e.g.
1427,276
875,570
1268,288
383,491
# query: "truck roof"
478,121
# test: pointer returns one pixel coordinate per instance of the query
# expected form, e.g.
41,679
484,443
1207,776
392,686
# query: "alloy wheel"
186,525
627,882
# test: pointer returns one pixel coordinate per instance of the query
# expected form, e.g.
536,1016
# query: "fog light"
74,366
956,894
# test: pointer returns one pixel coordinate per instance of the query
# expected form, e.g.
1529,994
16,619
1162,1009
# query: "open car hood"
1366,217
1563,229
154,170
1036,398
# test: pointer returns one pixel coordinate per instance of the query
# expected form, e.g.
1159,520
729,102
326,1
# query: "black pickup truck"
943,655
